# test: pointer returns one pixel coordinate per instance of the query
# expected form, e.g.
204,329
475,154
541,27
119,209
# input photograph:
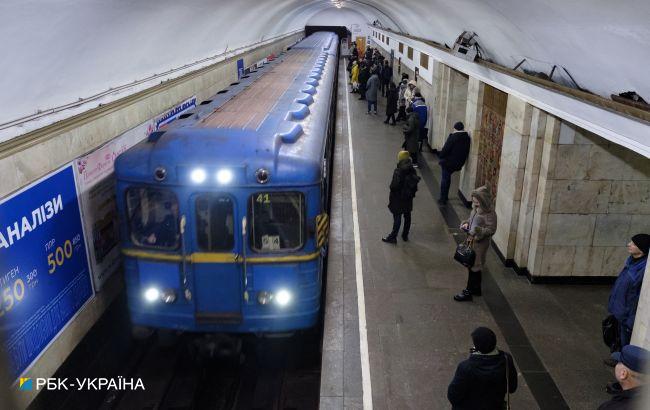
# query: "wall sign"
94,173
44,274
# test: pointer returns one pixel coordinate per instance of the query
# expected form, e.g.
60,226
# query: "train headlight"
283,297
198,176
168,296
224,176
264,298
262,176
152,295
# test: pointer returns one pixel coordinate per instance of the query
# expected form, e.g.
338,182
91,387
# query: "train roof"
275,118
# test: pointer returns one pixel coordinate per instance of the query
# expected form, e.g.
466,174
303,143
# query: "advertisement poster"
162,120
96,184
44,274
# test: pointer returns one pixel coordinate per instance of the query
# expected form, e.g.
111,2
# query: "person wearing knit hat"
624,297
452,157
400,200
483,380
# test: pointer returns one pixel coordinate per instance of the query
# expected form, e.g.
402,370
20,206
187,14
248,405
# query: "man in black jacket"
481,382
400,201
452,158
630,373
364,76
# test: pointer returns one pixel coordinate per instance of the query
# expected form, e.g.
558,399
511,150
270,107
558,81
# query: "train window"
215,225
277,221
153,217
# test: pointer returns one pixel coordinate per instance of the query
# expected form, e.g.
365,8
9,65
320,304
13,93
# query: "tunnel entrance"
341,31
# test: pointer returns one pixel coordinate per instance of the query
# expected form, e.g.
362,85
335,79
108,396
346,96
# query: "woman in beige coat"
480,227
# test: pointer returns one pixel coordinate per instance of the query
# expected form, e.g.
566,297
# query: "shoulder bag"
464,254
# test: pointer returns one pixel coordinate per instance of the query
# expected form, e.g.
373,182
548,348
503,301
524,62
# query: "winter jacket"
372,87
624,297
482,225
387,73
411,132
364,76
455,151
391,101
355,73
630,399
408,95
480,382
421,109
400,199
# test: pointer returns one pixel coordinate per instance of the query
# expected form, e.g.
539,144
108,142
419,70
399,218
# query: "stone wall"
641,334
587,197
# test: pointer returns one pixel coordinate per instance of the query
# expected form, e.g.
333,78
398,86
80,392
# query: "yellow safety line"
213,257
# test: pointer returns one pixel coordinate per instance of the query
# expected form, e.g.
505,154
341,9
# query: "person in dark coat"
624,297
400,201
386,76
482,380
411,135
372,89
391,103
630,372
364,76
452,158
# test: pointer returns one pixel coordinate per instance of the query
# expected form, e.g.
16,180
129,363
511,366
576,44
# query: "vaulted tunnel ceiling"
56,51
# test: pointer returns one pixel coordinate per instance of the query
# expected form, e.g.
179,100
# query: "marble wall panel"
630,197
612,230
558,261
570,229
580,197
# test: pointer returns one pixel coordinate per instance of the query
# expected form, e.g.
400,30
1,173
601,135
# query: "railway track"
275,374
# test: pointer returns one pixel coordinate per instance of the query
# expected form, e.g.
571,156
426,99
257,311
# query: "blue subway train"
224,213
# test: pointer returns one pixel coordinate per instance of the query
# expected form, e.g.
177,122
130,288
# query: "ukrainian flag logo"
25,383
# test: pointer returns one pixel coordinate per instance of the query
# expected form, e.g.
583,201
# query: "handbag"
464,254
611,333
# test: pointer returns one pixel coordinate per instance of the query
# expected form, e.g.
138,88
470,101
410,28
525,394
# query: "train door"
217,274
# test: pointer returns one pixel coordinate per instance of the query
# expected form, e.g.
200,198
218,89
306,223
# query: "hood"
487,364
484,197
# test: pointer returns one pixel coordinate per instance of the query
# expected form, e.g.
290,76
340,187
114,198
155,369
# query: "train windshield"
277,221
153,217
215,223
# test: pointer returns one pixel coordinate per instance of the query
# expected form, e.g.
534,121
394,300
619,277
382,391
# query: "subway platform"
394,334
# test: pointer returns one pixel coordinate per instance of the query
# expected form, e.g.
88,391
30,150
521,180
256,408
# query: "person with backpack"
403,187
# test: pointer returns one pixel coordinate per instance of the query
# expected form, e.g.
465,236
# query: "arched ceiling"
56,51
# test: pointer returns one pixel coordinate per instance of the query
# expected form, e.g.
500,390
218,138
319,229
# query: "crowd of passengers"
486,379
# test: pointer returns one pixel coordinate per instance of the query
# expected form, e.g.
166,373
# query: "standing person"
483,380
391,103
411,131
631,371
452,158
624,298
387,77
349,68
372,89
400,201
480,227
420,107
364,76
410,92
402,101
355,76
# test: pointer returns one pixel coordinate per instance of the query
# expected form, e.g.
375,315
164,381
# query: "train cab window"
153,217
277,221
215,225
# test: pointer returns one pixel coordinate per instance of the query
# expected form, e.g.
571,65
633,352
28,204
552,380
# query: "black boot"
389,239
474,280
463,296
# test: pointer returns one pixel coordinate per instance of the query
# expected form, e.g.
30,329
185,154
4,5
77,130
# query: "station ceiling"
56,51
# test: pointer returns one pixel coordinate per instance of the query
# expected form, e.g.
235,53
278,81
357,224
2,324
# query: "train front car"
224,214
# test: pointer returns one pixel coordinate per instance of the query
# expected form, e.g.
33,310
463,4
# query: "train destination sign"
44,274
